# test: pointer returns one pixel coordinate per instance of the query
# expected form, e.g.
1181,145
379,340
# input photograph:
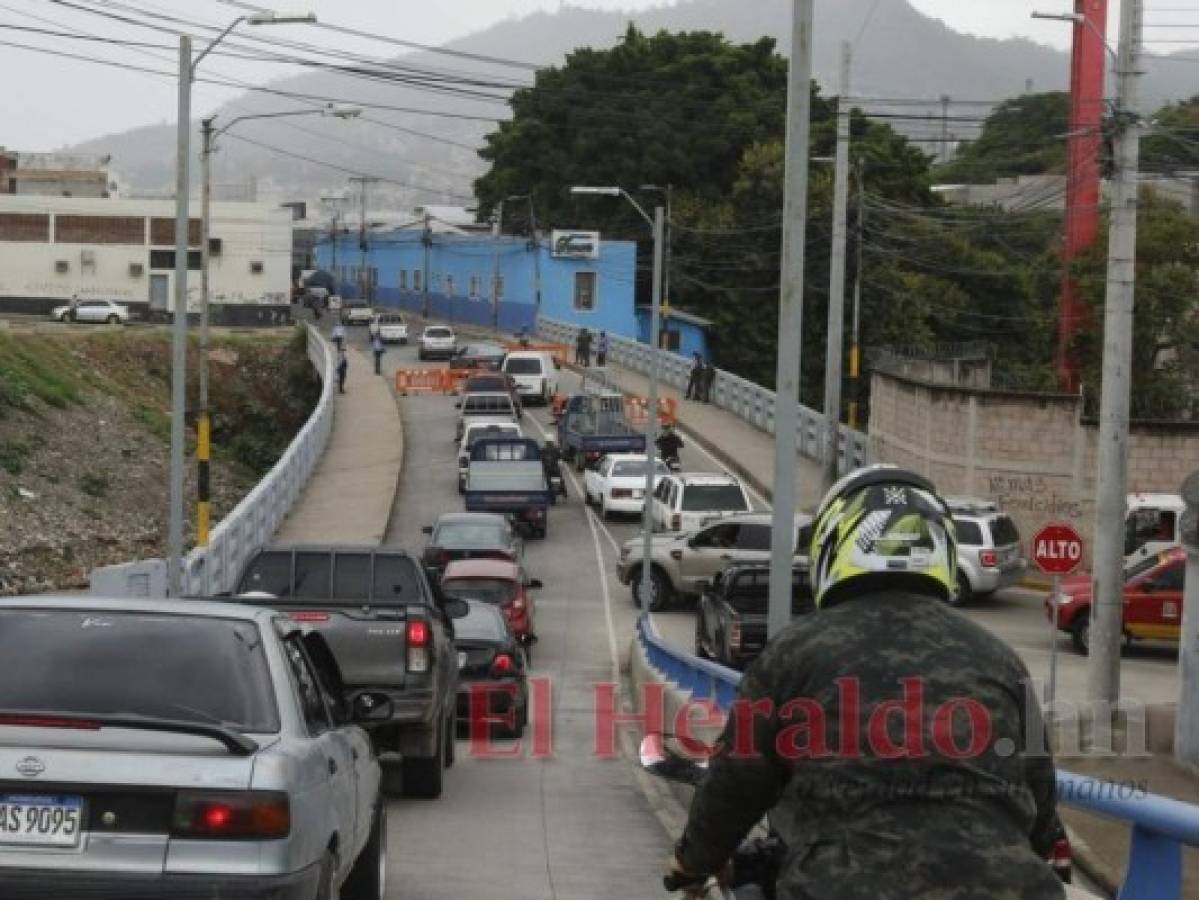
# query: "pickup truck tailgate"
369,644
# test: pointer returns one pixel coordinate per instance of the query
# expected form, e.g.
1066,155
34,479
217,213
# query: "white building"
56,248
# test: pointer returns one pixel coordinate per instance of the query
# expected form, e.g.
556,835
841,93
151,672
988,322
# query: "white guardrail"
744,399
252,523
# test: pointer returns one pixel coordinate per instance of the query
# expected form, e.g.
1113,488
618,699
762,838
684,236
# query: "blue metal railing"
1160,826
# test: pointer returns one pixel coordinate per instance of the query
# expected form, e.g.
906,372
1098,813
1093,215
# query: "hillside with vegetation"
84,430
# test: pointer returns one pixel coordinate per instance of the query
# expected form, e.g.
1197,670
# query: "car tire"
605,515
660,587
326,884
964,594
368,878
65,318
424,776
1080,634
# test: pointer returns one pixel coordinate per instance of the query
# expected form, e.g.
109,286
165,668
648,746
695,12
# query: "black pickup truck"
390,631
730,623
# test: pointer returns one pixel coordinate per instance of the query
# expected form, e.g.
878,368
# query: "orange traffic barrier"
560,352
423,381
638,410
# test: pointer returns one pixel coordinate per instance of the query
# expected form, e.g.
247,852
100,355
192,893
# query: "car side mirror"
371,708
534,583
457,404
455,608
427,529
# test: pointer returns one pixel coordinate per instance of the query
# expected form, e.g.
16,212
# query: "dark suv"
730,623
390,632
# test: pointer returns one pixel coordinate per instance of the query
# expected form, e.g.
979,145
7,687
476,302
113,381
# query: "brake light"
418,636
989,559
1061,858
676,522
518,602
735,636
621,493
309,617
502,664
257,815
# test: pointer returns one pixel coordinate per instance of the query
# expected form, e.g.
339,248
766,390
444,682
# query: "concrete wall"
37,272
1031,453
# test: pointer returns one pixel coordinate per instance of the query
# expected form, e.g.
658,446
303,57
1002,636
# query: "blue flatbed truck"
594,425
506,475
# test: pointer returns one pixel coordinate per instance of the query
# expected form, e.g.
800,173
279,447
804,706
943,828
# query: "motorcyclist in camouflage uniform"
957,803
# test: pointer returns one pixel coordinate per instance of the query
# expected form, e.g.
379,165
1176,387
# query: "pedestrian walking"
695,376
523,336
339,337
584,347
377,347
373,328
343,366
601,350
708,376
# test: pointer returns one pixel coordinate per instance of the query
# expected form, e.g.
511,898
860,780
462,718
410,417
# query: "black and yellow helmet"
882,527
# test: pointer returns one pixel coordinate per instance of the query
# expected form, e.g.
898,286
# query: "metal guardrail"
1160,826
744,399
251,524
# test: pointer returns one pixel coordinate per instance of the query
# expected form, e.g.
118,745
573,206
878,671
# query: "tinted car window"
523,366
719,536
487,404
750,593
160,666
269,573
1003,531
352,576
396,580
483,622
470,534
634,469
312,576
970,534
482,383
489,590
754,537
438,333
698,497
312,703
1140,568
1173,577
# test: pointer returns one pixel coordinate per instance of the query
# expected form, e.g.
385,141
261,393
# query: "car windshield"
523,366
470,534
160,666
489,590
490,432
438,333
1003,531
750,593
635,469
482,623
391,320
485,383
700,497
486,404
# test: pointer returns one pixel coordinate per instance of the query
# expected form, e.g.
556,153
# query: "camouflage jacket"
904,751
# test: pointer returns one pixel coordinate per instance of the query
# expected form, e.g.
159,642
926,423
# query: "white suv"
437,341
535,374
392,328
688,501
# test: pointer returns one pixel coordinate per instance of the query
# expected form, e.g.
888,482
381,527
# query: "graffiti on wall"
1032,494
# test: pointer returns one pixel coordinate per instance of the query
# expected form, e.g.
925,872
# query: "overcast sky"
50,101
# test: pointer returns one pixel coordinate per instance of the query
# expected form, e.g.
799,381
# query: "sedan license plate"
461,660
35,820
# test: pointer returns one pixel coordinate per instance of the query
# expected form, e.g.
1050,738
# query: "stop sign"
1057,549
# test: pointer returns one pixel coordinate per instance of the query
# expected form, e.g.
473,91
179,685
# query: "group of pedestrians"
700,378
343,363
583,342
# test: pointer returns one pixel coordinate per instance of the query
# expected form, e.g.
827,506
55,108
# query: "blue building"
458,276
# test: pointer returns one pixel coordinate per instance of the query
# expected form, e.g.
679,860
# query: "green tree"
1022,136
1172,141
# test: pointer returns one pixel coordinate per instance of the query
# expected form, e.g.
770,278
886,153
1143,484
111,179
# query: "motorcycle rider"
669,444
551,462
947,792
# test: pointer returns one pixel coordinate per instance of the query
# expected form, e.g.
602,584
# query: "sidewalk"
349,497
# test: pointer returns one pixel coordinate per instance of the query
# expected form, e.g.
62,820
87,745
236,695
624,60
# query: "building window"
29,227
162,232
449,285
585,291
498,288
99,229
165,259
403,279
416,277
474,287
256,267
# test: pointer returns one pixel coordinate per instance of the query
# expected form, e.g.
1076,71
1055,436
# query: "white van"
535,374
1153,523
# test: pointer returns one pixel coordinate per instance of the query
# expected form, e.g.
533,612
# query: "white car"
357,312
688,501
92,311
501,428
437,341
535,374
617,483
392,328
334,303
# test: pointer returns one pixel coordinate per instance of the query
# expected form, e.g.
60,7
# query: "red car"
1152,601
498,582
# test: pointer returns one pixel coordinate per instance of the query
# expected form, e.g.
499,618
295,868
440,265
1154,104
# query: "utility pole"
363,247
945,101
651,424
427,240
497,230
855,348
1103,665
179,329
535,242
1186,724
836,291
203,422
786,402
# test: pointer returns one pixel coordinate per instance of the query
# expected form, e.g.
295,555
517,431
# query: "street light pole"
786,400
